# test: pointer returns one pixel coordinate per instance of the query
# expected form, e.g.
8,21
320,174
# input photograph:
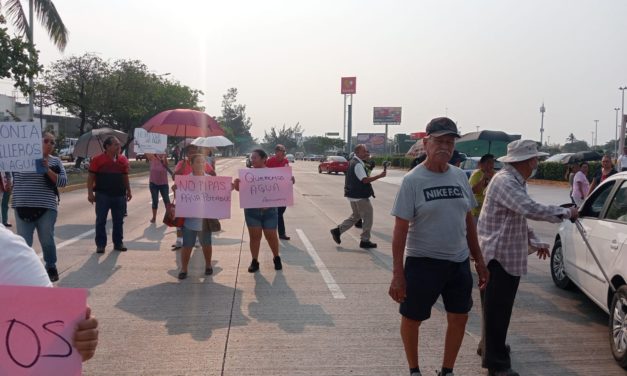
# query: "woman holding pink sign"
261,221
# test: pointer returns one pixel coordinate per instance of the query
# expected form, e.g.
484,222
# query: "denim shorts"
267,218
189,237
428,278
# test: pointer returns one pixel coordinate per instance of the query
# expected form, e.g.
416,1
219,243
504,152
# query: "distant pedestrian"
606,171
194,227
505,238
581,185
457,158
176,154
358,190
6,185
434,234
479,181
261,221
569,175
36,200
621,163
158,181
279,160
109,188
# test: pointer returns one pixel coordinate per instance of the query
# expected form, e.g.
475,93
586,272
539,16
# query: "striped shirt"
504,234
32,190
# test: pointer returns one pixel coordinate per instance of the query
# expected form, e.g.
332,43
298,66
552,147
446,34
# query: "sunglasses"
47,141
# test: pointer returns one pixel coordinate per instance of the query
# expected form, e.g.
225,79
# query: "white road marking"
71,241
326,275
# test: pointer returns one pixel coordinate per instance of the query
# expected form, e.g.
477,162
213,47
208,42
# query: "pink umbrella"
184,123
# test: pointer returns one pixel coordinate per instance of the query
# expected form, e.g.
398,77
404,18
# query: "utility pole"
542,110
622,121
596,133
616,133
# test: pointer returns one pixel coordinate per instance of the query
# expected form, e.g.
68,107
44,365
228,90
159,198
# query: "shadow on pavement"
94,272
196,309
277,303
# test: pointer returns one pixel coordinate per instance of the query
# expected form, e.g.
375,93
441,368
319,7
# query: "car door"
590,216
608,238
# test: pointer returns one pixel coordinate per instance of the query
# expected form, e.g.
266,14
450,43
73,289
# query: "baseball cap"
442,126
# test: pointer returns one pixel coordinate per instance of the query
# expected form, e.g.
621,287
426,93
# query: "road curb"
75,187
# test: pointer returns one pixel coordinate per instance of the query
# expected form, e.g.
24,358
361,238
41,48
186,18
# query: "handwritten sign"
20,146
203,196
36,330
265,187
146,142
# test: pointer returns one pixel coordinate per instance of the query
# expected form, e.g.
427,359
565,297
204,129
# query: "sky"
486,64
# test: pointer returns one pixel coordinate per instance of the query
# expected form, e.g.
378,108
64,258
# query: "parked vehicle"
472,163
290,158
334,163
603,217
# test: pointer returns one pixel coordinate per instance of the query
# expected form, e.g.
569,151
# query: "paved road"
326,313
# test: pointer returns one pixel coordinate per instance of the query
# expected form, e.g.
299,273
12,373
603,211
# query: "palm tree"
47,14
571,138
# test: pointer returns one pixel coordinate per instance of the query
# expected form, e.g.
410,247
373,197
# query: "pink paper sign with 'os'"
203,196
37,327
265,187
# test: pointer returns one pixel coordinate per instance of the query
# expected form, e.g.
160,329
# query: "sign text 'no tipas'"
36,331
203,196
20,146
266,187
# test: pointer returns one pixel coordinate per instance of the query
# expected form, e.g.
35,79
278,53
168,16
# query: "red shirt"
109,174
187,168
274,162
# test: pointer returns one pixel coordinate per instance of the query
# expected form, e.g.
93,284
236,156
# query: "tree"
571,138
235,123
575,146
284,136
78,84
318,144
18,59
48,16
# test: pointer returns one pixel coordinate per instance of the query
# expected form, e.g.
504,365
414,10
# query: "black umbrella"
582,156
488,137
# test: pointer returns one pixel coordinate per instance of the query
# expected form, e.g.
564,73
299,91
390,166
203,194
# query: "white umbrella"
212,142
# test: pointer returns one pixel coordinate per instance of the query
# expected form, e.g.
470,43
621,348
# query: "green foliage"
47,14
18,60
575,146
396,161
285,136
557,171
319,144
235,123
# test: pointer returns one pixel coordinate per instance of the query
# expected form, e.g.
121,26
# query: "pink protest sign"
37,327
266,187
203,196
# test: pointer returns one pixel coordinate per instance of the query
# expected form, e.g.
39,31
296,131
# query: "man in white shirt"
621,163
20,266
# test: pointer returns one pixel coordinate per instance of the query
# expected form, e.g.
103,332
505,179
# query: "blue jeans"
45,233
154,193
117,205
5,206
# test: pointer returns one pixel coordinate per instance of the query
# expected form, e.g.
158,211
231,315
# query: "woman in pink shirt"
158,181
581,185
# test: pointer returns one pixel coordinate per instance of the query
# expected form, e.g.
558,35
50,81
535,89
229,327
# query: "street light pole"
616,133
542,110
596,133
622,122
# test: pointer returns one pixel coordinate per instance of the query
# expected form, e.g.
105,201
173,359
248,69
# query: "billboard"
375,142
349,85
386,115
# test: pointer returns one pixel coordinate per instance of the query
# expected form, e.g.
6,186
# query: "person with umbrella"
109,188
36,200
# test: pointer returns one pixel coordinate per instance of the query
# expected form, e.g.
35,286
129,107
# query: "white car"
603,217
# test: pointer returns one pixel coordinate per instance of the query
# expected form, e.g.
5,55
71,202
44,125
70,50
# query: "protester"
457,158
621,163
6,184
505,237
176,154
20,266
358,190
479,181
569,175
210,158
184,167
158,181
261,221
279,160
435,230
368,166
194,227
581,186
36,199
606,171
108,186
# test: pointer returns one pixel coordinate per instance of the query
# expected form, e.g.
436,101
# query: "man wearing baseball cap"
505,238
435,231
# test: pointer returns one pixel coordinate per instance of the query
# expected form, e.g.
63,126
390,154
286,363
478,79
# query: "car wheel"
319,170
558,270
618,326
